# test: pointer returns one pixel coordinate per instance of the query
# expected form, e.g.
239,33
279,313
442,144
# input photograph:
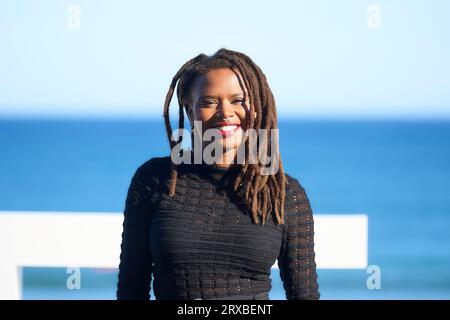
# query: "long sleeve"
135,269
297,257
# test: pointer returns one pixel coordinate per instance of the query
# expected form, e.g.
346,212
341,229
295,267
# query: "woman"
207,230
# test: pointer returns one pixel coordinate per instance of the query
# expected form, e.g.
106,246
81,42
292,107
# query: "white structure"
92,240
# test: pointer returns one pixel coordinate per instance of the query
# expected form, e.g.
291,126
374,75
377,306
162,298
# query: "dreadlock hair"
262,194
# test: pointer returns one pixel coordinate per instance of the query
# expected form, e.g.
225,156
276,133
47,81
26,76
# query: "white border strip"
92,240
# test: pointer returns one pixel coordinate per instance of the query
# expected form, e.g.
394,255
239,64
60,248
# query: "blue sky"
321,58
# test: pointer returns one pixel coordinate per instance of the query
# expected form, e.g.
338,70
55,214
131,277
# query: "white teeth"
227,128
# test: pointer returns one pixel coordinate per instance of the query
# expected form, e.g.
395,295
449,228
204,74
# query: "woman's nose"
225,109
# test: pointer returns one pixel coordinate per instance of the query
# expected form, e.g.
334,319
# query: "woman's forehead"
223,82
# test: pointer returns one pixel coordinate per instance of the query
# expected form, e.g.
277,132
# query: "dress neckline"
215,171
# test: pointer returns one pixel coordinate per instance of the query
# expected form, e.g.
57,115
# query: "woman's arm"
135,269
297,258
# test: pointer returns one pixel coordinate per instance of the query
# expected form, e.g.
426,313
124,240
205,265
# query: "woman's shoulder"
295,192
154,168
155,164
292,184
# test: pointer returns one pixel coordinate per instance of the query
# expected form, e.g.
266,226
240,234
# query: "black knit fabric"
202,244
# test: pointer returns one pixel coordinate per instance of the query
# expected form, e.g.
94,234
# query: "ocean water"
396,172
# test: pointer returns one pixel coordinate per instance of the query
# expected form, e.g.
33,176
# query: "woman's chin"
230,143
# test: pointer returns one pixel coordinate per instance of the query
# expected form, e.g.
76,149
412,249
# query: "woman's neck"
227,159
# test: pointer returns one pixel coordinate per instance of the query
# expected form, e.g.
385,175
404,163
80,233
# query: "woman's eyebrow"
234,95
206,97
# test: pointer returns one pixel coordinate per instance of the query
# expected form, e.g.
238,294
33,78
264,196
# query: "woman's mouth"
228,130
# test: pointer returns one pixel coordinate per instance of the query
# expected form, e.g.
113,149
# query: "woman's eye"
238,101
205,103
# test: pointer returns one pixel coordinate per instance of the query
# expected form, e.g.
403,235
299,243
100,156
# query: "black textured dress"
202,244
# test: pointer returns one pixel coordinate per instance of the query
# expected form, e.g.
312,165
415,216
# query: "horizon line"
292,117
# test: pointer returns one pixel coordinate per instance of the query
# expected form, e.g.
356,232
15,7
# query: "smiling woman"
196,227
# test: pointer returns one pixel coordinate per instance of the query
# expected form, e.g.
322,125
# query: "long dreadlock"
261,194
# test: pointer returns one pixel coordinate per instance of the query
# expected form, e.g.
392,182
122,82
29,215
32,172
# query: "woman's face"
217,101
